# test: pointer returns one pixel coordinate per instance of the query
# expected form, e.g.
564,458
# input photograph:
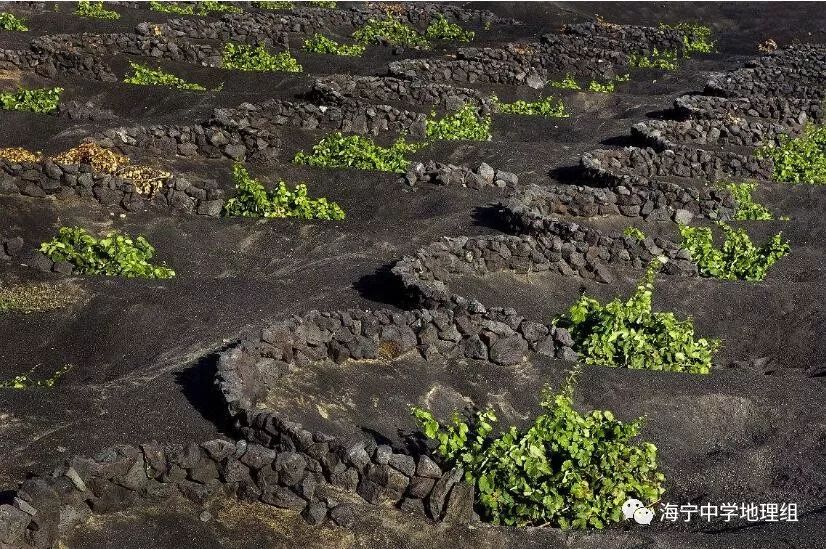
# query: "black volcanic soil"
143,351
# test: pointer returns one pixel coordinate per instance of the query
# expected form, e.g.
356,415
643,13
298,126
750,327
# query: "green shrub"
567,83
10,22
202,7
95,10
442,29
610,85
598,87
354,151
666,60
329,4
630,335
799,159
172,7
38,100
747,208
321,44
634,233
548,107
738,259
568,469
147,76
271,5
390,31
113,255
26,381
465,123
253,200
257,58
205,7
696,37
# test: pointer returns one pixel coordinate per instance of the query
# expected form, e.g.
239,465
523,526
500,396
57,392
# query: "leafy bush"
598,87
634,233
113,255
696,39
738,259
631,335
10,22
274,5
390,31
257,58
465,123
147,76
26,381
355,151
95,10
37,100
321,44
329,4
568,469
172,7
799,159
202,7
567,83
666,60
253,200
610,86
442,29
747,208
205,7
548,107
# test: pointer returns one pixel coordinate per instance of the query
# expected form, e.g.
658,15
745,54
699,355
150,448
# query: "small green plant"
253,200
567,83
202,7
465,123
354,151
696,37
599,87
321,44
205,7
390,31
329,4
26,381
548,107
10,22
800,159
442,29
568,469
634,233
610,85
738,259
256,58
747,208
274,5
666,60
172,7
148,76
630,335
41,100
95,10
113,255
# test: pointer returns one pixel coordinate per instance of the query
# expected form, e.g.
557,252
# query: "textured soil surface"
143,352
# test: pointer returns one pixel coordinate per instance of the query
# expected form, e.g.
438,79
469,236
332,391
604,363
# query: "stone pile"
437,173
